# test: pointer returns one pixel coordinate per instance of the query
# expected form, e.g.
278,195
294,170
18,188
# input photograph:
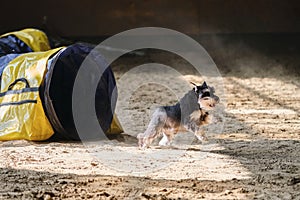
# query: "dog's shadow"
131,141
183,148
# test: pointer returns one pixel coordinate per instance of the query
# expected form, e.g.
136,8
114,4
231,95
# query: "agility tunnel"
36,84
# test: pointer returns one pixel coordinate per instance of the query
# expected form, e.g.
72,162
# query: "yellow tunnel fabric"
21,111
37,40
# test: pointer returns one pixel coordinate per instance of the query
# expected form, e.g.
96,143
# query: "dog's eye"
205,94
206,98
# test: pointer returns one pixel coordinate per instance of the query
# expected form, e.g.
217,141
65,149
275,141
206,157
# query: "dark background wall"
98,18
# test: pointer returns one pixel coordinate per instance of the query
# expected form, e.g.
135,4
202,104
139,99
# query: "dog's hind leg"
146,138
153,130
165,141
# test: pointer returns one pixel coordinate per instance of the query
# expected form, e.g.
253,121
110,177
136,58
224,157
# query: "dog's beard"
207,103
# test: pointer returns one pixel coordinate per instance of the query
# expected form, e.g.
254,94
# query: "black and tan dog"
191,113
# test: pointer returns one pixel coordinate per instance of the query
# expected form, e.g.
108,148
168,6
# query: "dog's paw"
143,142
202,138
164,141
140,138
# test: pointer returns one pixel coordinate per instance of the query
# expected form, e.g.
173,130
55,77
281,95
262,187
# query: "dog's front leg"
198,131
200,135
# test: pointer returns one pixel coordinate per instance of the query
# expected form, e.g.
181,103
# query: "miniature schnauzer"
189,114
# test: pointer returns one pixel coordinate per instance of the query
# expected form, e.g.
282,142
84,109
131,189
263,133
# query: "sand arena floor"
254,156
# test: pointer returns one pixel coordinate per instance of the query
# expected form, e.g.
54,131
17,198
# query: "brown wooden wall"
98,18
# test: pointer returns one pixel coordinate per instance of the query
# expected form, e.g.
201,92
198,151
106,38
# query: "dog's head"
206,97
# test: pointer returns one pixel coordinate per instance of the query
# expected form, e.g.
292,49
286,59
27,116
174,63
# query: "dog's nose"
217,99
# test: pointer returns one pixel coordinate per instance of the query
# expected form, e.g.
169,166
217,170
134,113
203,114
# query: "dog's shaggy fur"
189,114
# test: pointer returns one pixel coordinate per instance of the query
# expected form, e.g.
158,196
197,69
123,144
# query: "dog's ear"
204,85
196,89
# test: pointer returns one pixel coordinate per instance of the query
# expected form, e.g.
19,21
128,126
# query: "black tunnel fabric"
11,44
64,69
56,88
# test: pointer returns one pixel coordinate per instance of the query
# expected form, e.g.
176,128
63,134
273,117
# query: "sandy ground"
253,153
